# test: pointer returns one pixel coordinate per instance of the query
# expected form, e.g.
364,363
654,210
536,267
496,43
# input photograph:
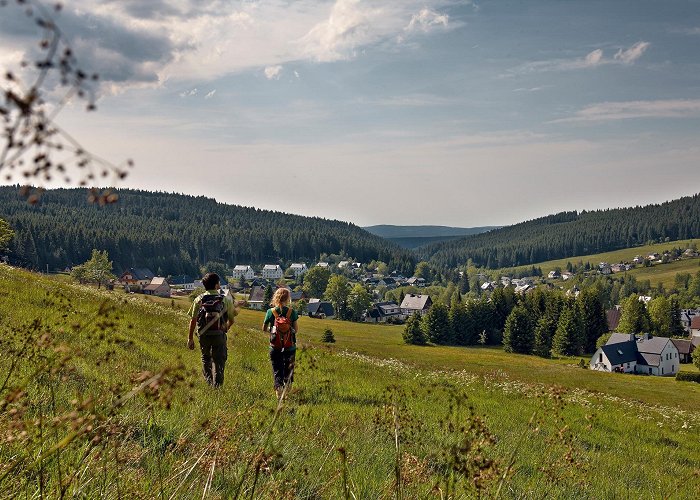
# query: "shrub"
328,336
688,377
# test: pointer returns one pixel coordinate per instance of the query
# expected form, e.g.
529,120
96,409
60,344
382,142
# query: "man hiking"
211,315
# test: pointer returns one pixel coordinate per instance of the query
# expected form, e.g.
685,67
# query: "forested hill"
569,234
175,234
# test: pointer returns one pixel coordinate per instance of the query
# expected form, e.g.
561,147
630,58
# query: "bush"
328,336
688,377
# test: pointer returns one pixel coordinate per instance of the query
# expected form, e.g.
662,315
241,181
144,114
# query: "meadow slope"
368,417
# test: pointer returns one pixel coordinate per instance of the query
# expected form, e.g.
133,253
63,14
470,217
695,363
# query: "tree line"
176,234
544,322
570,234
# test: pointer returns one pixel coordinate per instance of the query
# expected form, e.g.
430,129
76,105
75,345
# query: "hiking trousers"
214,355
282,367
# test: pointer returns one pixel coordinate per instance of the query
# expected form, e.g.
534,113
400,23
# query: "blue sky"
401,112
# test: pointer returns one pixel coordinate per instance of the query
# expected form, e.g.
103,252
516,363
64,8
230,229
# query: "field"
102,399
664,273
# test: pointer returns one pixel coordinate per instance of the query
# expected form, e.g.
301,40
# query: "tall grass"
103,400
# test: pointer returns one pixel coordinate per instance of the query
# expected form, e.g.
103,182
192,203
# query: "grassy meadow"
659,273
101,399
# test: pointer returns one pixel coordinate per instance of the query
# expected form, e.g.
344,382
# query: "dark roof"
316,308
140,273
695,341
695,322
613,318
684,346
649,359
297,295
653,345
620,352
257,294
181,280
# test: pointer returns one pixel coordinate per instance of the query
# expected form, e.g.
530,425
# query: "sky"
445,112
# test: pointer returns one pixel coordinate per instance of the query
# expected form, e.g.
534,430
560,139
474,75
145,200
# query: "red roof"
613,317
695,322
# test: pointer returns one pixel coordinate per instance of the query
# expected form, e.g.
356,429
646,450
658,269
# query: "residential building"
323,264
695,326
245,272
413,303
685,349
632,354
141,276
321,310
382,312
158,286
298,269
272,272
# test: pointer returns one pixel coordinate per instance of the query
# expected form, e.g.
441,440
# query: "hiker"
212,315
281,323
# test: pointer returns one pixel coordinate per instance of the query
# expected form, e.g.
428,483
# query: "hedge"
688,376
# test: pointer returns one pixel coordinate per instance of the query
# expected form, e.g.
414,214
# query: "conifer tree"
592,317
634,317
328,336
461,323
518,334
436,325
267,298
567,338
413,332
544,333
6,234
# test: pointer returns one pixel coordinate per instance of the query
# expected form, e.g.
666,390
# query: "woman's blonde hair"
281,297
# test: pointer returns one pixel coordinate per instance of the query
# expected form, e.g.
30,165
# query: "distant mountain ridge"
392,231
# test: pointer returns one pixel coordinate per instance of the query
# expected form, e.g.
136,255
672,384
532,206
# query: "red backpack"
282,333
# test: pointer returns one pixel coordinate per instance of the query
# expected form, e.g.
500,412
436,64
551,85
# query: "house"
632,354
388,282
687,316
524,288
689,252
382,312
653,256
695,326
488,286
418,282
141,276
245,272
638,259
325,265
158,286
413,303
604,268
566,275
256,298
554,275
298,269
685,349
343,264
320,309
272,272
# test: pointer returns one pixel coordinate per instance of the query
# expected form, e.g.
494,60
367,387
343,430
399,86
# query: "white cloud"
608,111
210,94
273,72
189,93
427,19
296,74
630,55
593,59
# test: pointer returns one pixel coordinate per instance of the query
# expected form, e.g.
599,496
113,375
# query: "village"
624,353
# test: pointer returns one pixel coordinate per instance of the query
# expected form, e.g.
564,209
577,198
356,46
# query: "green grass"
659,273
454,408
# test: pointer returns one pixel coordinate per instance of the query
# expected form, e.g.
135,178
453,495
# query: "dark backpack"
282,333
212,314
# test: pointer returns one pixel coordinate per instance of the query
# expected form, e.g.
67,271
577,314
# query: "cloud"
593,59
210,94
273,72
189,93
633,53
296,74
608,111
426,20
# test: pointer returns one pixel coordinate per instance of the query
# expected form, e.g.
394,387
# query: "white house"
272,272
323,264
158,286
245,272
631,354
298,269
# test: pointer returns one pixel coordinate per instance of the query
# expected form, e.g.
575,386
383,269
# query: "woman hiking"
281,323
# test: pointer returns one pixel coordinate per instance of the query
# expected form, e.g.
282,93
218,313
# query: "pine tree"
634,317
413,332
328,336
461,323
567,338
544,333
267,298
592,317
436,325
518,334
